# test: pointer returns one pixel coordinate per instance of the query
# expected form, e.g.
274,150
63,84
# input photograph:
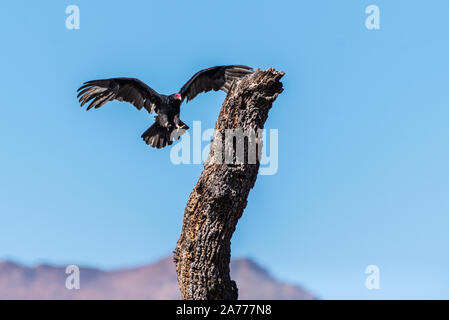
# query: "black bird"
167,107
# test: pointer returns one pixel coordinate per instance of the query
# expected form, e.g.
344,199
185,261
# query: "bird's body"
167,107
168,111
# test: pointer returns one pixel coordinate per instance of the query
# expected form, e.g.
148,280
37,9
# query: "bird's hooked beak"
177,96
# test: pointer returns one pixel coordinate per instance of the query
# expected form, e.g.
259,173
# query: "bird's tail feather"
158,136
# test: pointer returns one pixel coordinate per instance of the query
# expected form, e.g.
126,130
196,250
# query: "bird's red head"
177,96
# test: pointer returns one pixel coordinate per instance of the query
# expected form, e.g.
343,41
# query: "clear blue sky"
363,135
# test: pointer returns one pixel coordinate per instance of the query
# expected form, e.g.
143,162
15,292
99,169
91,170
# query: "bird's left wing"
123,89
215,78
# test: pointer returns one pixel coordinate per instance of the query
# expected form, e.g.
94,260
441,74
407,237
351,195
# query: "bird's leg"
176,120
178,123
163,120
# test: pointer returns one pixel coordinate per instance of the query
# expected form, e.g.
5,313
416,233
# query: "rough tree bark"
202,254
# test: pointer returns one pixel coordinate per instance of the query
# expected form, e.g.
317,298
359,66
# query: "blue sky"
363,137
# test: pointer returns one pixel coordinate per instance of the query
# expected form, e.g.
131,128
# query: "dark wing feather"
121,89
215,78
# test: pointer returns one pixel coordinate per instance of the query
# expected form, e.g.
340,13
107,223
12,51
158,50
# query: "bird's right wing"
121,89
215,78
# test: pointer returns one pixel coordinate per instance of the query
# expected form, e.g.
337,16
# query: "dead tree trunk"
203,252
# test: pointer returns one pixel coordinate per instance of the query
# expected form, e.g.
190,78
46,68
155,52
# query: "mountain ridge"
151,281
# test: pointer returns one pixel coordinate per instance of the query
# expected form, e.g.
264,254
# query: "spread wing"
215,78
121,89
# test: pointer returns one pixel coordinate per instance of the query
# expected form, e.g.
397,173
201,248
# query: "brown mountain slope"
154,281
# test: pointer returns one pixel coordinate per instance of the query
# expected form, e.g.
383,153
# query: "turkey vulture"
167,107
